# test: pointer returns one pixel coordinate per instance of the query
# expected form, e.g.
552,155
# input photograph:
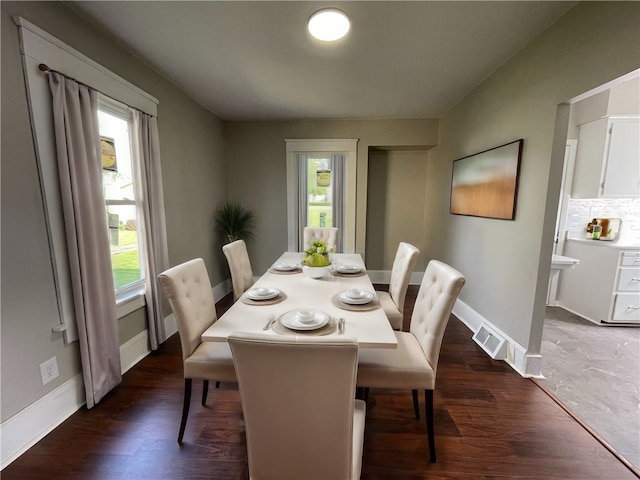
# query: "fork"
341,326
272,319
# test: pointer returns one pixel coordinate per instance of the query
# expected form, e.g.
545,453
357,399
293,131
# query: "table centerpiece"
316,262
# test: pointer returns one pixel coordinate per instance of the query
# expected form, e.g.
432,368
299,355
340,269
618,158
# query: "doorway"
592,369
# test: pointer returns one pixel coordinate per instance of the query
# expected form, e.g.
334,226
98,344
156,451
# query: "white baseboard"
134,350
32,424
27,427
384,277
526,364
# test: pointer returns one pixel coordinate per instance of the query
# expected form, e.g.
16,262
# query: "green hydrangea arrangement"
317,255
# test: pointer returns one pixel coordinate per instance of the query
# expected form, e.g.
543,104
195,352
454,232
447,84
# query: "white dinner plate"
356,297
285,267
348,269
263,293
291,320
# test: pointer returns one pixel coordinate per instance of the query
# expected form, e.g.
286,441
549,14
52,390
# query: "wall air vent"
491,342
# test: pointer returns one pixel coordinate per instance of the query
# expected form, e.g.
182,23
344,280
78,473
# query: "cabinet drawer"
630,259
626,308
629,280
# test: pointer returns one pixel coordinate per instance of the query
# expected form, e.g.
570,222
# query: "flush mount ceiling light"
329,24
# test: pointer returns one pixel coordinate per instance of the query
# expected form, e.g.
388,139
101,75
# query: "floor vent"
491,342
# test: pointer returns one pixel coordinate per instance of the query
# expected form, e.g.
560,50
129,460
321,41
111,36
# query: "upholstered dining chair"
328,235
189,292
239,266
301,417
413,364
392,302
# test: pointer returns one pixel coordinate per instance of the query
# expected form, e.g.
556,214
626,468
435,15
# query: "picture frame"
485,184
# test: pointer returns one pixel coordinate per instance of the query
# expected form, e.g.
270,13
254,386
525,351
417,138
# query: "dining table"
342,302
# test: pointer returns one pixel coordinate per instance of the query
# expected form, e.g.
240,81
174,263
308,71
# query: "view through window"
319,191
120,200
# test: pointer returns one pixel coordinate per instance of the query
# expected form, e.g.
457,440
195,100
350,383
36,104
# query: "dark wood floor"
490,424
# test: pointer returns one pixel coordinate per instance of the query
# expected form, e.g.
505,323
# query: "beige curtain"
75,114
146,147
337,168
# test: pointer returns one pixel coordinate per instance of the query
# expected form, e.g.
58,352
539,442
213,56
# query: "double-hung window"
118,182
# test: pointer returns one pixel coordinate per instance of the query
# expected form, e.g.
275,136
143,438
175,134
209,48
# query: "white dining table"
370,328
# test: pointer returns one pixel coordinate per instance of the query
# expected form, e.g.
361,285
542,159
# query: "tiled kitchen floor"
595,372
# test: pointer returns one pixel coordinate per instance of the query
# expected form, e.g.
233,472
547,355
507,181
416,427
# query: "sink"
560,262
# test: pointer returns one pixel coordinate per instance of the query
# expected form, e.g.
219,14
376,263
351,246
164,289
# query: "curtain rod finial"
43,67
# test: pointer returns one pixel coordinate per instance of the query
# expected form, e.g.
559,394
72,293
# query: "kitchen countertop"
607,243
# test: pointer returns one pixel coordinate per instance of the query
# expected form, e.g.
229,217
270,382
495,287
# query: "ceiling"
255,60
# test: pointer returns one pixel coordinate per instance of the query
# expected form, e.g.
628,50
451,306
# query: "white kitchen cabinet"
625,304
587,288
608,159
621,175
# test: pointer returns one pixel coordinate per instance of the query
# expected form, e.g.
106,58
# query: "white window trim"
349,148
38,46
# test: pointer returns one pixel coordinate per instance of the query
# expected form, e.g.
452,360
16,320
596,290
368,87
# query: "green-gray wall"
256,153
206,162
195,185
507,262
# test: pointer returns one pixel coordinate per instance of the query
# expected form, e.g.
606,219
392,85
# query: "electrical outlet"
49,370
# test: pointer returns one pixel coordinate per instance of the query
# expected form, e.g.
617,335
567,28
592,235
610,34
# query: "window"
40,47
309,201
119,189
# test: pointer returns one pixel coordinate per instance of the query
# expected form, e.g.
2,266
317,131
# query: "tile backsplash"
581,211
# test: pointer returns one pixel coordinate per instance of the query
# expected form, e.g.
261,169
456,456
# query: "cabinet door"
587,174
629,280
626,308
622,169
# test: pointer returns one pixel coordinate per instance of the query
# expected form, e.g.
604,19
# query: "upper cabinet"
608,154
621,173
608,159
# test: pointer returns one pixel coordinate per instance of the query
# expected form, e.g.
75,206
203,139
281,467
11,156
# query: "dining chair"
392,302
413,364
301,417
188,289
239,266
328,235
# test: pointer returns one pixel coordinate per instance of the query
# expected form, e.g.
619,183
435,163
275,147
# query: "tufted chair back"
406,257
239,266
438,291
188,289
301,417
328,235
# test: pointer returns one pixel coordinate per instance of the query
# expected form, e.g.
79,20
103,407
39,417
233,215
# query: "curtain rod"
43,67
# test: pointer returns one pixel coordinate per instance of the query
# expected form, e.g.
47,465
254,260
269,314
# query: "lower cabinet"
604,286
625,305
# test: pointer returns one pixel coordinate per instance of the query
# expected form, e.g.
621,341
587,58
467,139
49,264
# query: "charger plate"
272,301
328,329
285,272
340,274
372,305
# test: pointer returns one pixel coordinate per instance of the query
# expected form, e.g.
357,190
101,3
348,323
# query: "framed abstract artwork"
486,184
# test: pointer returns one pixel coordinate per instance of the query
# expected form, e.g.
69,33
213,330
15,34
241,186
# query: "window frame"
347,147
120,110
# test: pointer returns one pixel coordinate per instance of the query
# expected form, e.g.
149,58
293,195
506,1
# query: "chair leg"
416,405
428,400
185,407
205,390
217,384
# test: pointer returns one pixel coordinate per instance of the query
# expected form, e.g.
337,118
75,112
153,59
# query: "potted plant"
316,262
235,222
